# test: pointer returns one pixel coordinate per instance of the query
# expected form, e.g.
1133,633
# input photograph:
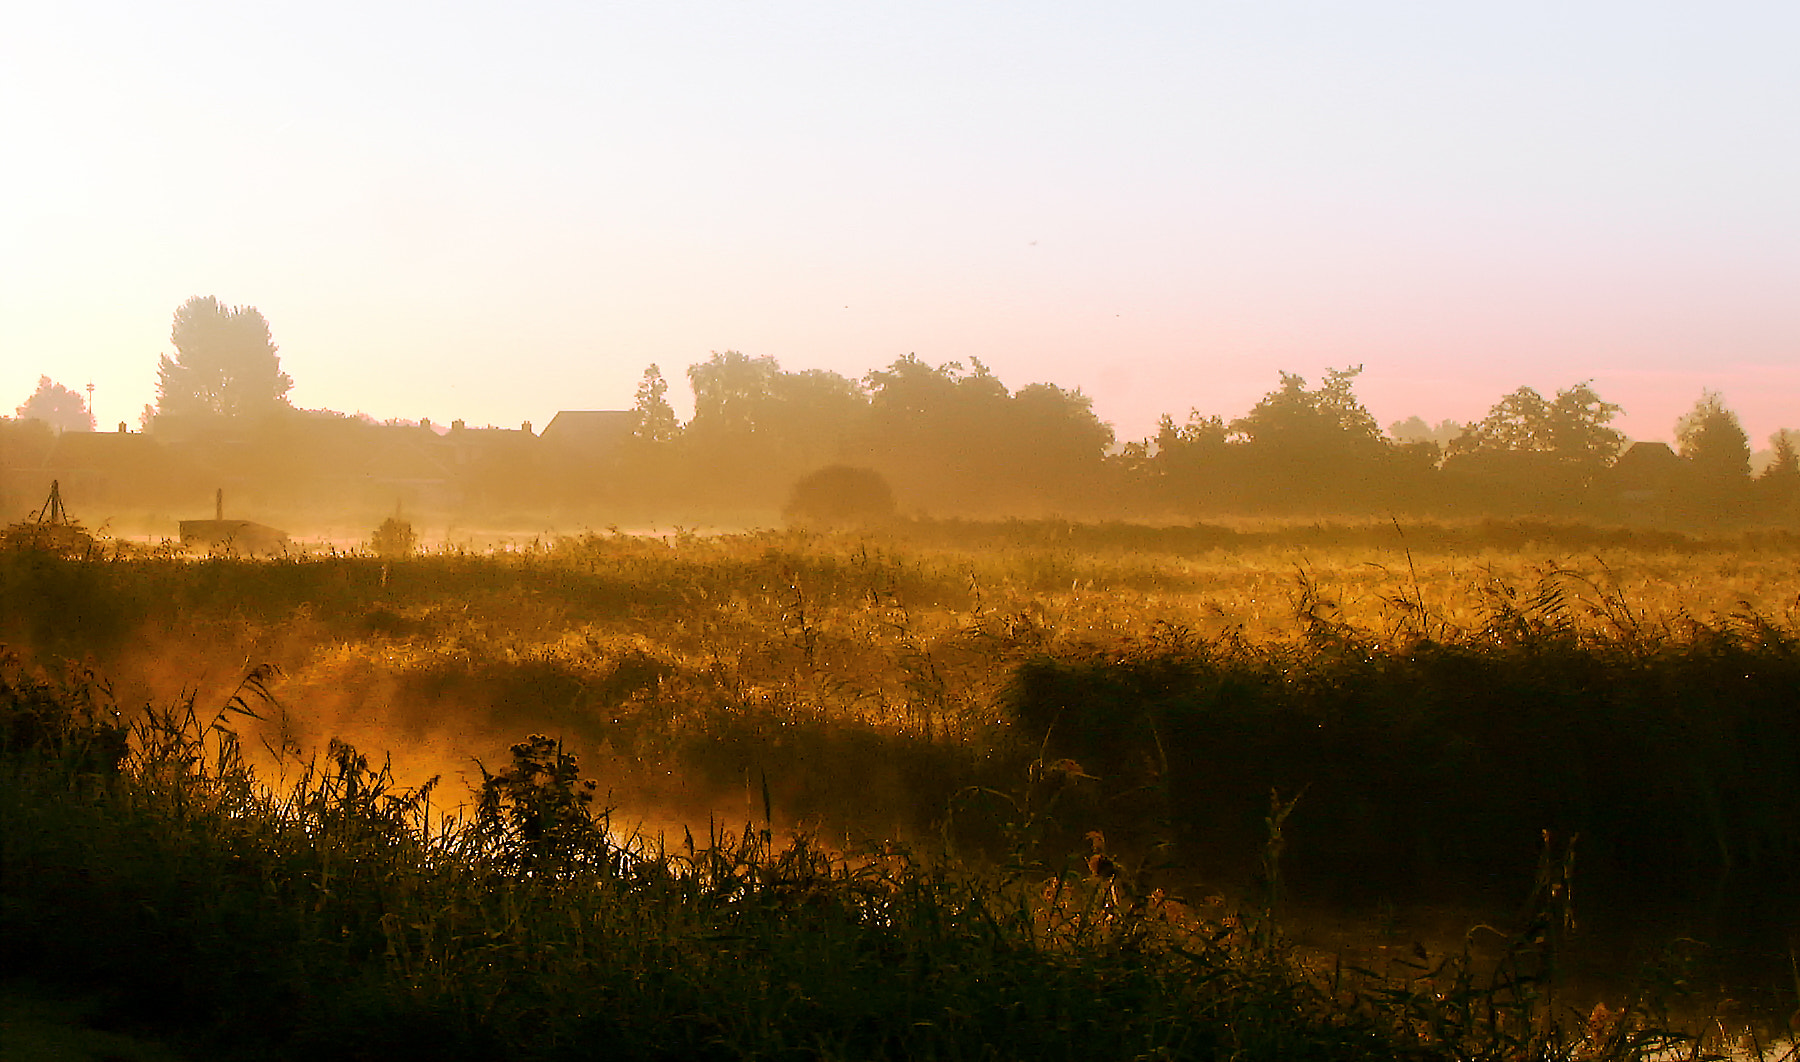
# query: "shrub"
394,538
840,495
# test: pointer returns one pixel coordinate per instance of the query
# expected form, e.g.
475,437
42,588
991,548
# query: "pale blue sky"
495,211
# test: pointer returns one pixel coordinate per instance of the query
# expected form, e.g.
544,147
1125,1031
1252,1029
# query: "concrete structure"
233,538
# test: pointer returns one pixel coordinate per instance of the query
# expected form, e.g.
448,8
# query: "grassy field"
1173,769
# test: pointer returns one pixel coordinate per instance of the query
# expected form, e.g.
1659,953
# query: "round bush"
840,495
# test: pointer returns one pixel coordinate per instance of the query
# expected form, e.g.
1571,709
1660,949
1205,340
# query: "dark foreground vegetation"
339,918
1101,799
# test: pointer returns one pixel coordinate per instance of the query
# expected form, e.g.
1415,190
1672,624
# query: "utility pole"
90,391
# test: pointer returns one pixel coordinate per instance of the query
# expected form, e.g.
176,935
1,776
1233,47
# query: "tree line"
952,438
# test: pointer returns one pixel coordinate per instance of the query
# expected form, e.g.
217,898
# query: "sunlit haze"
492,212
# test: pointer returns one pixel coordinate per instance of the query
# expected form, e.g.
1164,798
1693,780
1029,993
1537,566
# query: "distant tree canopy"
1059,427
947,439
1306,445
1414,429
224,364
944,435
913,402
57,406
1292,420
748,411
732,394
1571,429
1713,442
950,432
1201,438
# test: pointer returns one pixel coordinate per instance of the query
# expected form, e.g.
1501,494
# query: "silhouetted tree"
756,427
934,425
1294,420
1571,429
394,538
1056,430
740,401
1779,484
910,390
956,436
1186,464
1303,447
1714,484
1532,454
224,365
655,417
57,406
1712,441
1786,462
1200,439
732,395
817,413
1518,423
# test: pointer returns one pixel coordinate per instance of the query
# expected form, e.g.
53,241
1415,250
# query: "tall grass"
339,916
1673,747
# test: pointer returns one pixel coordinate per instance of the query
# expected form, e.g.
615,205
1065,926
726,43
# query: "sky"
495,211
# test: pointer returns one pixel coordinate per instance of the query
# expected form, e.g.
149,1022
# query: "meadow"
1104,790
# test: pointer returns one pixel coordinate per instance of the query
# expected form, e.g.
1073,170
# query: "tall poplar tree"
655,417
1713,441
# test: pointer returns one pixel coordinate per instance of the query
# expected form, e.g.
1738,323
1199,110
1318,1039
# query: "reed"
340,916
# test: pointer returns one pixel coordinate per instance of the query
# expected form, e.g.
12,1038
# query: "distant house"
1643,475
475,447
412,465
494,467
108,470
589,433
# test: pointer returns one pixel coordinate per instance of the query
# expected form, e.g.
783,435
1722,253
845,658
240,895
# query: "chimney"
528,427
121,427
219,504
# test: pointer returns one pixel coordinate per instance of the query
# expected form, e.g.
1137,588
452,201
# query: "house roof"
112,451
590,429
1645,465
404,454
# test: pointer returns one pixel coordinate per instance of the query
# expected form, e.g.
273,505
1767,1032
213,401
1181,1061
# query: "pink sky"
493,212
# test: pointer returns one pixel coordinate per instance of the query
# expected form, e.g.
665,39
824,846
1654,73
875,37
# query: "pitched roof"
590,429
1646,461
